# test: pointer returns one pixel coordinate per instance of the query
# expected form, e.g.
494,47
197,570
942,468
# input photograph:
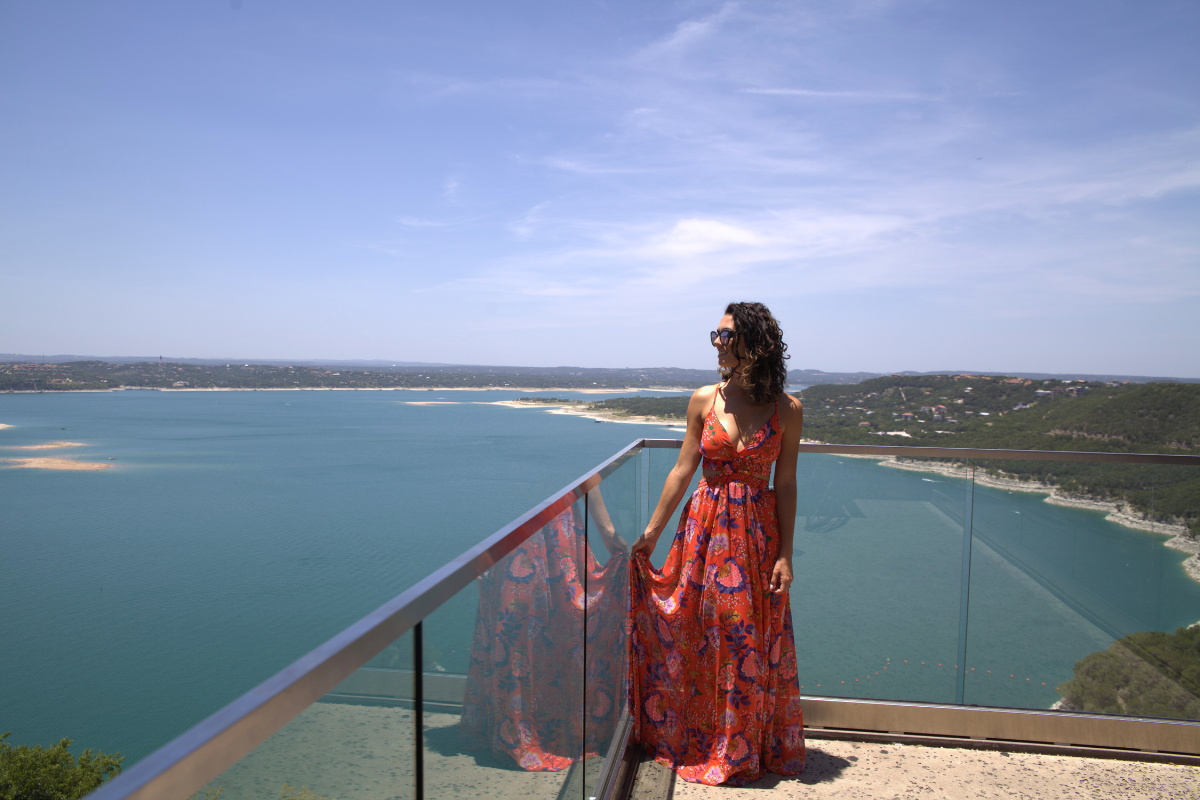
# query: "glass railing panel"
355,743
660,463
614,512
513,643
878,563
878,566
1076,602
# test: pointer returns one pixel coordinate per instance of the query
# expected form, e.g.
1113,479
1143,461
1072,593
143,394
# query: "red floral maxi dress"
712,660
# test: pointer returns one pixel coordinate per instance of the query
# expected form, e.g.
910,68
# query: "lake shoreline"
1178,533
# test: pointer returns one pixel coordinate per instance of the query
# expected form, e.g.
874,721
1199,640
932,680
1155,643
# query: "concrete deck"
852,770
353,752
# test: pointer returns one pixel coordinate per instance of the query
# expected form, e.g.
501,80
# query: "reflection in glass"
524,697
878,564
1075,602
355,743
612,517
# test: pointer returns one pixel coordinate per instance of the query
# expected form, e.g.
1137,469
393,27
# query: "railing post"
644,500
964,592
418,714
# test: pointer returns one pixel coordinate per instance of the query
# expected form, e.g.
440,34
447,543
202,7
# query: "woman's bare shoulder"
704,395
790,408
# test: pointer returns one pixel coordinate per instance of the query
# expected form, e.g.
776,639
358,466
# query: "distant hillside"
484,373
100,375
1010,413
1021,414
60,374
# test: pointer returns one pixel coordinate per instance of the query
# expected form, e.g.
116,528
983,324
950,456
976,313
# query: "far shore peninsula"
600,415
65,464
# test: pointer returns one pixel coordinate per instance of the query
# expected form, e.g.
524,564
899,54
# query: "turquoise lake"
239,530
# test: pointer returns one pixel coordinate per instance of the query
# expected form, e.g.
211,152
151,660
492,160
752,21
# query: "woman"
712,660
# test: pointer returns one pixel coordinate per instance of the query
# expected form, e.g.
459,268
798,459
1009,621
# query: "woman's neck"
733,387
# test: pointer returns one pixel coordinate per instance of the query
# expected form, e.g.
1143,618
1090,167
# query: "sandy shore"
53,463
581,410
48,446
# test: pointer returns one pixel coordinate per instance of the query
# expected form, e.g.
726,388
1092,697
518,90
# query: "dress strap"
712,411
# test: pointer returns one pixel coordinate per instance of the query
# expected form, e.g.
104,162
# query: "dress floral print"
525,693
712,660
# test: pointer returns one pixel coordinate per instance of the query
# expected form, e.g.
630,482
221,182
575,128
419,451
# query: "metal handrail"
187,763
973,452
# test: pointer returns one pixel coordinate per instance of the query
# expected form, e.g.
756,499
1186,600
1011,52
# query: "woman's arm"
791,416
604,524
681,474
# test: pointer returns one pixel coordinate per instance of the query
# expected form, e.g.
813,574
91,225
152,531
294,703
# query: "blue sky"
908,185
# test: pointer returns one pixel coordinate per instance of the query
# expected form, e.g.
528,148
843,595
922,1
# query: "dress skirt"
713,689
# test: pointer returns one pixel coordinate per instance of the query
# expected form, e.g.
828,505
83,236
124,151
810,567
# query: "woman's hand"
612,540
645,543
781,576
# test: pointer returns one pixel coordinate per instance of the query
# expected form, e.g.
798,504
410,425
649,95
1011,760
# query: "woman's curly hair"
762,368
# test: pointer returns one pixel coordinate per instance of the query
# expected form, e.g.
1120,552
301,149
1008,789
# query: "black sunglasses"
726,336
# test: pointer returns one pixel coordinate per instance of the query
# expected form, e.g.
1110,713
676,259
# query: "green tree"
37,773
1151,673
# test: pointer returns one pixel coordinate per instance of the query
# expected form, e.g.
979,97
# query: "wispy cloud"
584,166
687,36
441,85
527,224
821,94
699,176
689,238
